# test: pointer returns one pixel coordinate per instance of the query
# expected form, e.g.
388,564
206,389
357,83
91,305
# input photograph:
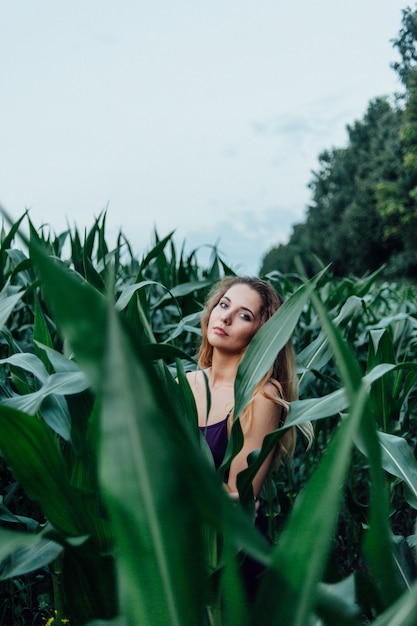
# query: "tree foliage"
363,209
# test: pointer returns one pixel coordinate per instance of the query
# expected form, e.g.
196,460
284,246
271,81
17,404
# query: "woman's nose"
225,316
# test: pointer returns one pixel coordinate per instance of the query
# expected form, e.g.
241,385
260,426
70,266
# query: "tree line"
363,209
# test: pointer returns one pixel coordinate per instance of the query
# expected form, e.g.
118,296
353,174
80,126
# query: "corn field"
112,514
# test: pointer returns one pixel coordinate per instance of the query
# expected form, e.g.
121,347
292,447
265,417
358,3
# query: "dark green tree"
405,44
363,210
282,257
397,199
343,226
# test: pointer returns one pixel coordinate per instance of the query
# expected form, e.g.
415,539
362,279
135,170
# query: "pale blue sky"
204,116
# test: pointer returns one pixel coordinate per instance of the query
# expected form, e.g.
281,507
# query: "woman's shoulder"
267,396
266,414
267,405
271,389
195,377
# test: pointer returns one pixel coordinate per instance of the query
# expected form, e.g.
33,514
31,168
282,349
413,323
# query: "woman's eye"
223,305
245,316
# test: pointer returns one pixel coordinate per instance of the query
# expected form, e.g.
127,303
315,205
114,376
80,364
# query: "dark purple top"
217,437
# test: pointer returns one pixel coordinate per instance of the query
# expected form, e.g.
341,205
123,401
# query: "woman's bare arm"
266,416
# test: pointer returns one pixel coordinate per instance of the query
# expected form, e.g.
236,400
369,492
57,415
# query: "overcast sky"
204,116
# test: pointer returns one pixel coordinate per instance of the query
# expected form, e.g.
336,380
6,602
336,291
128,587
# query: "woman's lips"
219,331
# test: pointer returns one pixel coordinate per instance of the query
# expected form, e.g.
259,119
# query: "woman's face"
235,319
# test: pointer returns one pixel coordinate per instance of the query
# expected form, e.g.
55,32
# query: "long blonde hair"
282,374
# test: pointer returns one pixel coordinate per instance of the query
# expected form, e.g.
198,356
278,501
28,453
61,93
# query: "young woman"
235,310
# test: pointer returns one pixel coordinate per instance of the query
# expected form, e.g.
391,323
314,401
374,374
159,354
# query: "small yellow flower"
52,620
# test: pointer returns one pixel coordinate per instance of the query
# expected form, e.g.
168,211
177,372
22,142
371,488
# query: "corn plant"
136,526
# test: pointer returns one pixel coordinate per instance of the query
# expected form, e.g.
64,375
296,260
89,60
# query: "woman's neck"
223,370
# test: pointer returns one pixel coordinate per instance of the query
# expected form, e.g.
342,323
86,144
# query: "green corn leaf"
90,584
187,396
21,553
337,603
233,607
54,412
260,355
7,516
318,353
316,408
91,274
267,343
381,350
61,286
135,464
21,268
184,289
159,489
59,362
48,398
404,560
63,383
155,252
127,292
398,459
41,334
149,477
187,324
117,621
403,612
307,535
89,239
378,542
166,351
29,362
7,304
378,545
299,559
34,455
7,242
